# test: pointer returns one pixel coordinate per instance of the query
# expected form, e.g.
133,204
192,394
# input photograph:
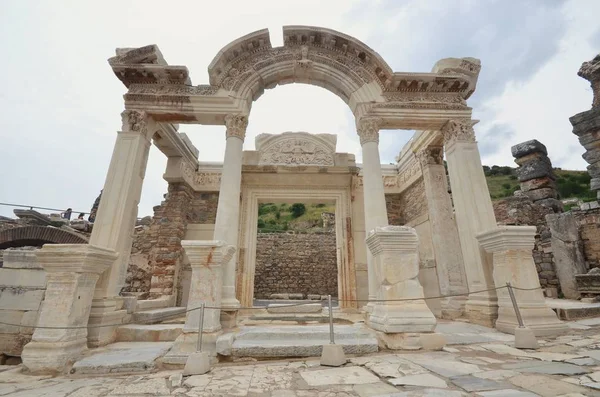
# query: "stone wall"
295,263
521,210
139,271
204,207
588,225
408,205
22,289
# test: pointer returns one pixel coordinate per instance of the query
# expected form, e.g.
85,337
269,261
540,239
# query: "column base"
105,311
52,357
482,310
229,319
186,344
408,317
454,307
541,320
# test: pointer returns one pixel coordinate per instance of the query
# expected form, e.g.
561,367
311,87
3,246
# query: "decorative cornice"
368,129
458,131
431,155
236,125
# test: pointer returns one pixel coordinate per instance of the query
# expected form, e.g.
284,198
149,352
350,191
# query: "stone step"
121,357
276,308
149,332
155,316
149,304
296,341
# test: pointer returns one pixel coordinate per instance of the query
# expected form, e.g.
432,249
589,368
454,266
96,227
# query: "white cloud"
61,103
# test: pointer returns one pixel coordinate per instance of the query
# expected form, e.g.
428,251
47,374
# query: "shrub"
261,224
506,185
298,209
513,177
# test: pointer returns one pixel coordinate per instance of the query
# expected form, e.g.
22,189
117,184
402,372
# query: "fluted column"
115,220
446,245
228,210
474,214
374,196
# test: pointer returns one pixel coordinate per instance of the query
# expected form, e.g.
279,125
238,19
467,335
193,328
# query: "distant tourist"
81,215
67,214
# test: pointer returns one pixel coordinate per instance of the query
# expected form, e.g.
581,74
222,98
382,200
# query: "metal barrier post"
514,303
331,338
200,326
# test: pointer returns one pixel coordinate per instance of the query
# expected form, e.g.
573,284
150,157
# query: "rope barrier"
177,315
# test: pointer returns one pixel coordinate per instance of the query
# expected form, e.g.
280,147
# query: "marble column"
115,220
206,260
446,245
374,196
474,214
71,274
227,222
397,277
511,247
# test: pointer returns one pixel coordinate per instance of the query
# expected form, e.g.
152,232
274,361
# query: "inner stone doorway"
296,254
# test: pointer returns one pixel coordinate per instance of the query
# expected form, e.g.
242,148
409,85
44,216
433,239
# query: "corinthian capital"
431,155
368,129
460,130
236,125
135,120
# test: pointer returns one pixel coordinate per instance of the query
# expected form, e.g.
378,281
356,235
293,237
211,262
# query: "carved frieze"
208,179
162,89
458,131
298,148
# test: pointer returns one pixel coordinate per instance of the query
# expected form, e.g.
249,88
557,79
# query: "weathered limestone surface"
567,251
521,210
513,262
586,125
394,249
295,262
469,191
72,272
451,274
22,289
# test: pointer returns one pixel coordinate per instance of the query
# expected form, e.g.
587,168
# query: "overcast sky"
61,104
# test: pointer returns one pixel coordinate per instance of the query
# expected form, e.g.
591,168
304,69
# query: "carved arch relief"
296,148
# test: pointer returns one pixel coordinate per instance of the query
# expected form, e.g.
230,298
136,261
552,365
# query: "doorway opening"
296,254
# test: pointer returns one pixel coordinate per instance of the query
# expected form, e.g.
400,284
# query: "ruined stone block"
538,183
534,169
585,122
528,147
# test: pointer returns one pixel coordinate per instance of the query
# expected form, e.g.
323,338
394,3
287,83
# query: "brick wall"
295,263
408,205
204,207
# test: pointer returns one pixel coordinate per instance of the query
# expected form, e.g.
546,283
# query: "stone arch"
38,236
317,56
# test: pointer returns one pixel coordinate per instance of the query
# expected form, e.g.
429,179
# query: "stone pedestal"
446,244
511,248
228,210
206,260
117,213
474,215
374,196
397,269
71,274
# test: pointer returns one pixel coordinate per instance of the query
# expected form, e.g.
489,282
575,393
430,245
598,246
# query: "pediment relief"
296,148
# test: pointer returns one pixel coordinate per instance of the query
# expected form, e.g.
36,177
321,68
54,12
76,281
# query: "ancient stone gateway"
435,252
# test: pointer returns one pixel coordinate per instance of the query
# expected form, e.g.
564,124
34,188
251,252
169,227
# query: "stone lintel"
506,238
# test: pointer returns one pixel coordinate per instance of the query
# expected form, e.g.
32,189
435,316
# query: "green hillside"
502,182
274,217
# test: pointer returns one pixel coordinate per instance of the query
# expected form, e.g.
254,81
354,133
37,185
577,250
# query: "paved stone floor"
477,362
